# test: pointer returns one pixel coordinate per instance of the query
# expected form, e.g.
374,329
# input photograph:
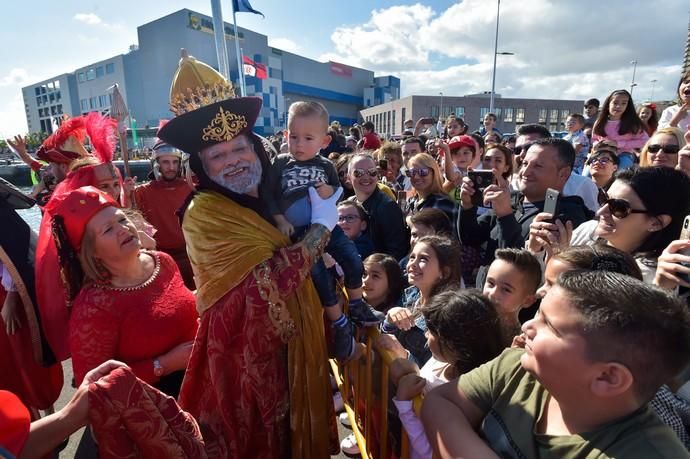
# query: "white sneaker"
338,402
349,445
344,419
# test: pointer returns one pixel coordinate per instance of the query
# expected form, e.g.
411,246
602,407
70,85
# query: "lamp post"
496,53
440,112
651,96
632,83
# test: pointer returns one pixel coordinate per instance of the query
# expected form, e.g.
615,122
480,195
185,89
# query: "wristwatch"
157,368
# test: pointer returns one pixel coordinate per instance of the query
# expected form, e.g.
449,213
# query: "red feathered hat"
65,144
77,208
15,421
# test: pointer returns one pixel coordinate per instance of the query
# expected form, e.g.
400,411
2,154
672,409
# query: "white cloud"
284,43
16,77
561,51
88,18
12,117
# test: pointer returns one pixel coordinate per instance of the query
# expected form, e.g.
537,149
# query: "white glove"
324,211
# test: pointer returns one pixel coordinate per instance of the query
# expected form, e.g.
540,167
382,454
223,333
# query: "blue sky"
562,49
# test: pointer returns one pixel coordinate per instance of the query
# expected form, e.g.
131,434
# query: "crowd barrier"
364,385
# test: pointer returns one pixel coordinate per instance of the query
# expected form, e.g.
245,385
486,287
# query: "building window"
103,101
519,115
92,103
459,112
498,111
99,72
53,110
109,68
404,117
40,112
37,90
59,109
434,111
58,96
84,103
542,115
82,77
553,116
564,115
90,74
508,115
45,99
482,112
51,96
56,83
38,101
393,123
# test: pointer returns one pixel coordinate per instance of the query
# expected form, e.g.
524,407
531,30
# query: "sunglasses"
603,160
521,148
348,218
421,171
668,149
373,172
621,208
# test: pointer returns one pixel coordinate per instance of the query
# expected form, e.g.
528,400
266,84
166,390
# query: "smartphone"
402,199
685,234
551,203
481,179
383,164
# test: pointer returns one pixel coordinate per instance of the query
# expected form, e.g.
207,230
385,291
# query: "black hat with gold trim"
207,111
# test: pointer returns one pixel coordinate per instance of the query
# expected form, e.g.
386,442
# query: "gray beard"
241,184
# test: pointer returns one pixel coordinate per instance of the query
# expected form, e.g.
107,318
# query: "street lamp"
496,53
632,83
651,96
440,113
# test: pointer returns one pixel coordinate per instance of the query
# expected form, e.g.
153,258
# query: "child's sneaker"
343,341
349,445
364,315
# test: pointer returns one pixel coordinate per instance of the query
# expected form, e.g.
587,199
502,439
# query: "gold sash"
225,243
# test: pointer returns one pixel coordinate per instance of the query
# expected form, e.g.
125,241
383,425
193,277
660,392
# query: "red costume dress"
134,325
159,201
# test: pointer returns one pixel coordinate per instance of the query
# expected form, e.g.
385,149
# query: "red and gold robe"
257,380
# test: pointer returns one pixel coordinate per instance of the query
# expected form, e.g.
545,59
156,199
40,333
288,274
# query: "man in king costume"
257,379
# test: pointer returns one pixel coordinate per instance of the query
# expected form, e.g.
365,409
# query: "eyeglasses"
348,218
621,208
421,171
603,160
668,149
521,148
373,172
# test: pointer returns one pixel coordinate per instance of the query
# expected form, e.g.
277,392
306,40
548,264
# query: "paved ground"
67,392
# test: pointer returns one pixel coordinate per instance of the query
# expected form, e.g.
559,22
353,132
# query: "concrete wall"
57,97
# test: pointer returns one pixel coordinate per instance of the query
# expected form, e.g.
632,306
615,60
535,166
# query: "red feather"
70,127
102,132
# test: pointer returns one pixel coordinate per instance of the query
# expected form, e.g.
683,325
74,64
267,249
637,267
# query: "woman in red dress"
133,305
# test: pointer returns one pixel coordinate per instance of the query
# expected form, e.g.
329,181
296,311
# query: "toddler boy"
576,136
596,353
290,178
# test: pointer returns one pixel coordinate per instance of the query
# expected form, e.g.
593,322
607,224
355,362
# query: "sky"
562,49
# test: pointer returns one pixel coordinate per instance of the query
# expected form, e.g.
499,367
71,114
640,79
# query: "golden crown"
197,85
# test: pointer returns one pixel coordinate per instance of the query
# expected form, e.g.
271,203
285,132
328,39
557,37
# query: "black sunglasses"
621,208
668,149
373,172
421,171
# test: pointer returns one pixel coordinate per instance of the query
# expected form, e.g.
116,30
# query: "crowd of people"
533,289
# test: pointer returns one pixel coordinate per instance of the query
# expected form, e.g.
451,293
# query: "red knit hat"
462,141
15,422
77,208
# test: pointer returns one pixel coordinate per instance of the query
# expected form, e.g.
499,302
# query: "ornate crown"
197,85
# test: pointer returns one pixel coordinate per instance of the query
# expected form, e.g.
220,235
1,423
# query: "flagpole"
219,36
240,64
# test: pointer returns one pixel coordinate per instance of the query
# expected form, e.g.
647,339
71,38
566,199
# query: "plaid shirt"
674,412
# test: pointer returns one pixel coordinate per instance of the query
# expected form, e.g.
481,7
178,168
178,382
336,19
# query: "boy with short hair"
511,284
576,136
595,355
370,140
290,178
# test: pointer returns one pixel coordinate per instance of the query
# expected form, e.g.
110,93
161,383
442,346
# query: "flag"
243,6
254,69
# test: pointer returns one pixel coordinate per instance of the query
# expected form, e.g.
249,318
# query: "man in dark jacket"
547,164
386,223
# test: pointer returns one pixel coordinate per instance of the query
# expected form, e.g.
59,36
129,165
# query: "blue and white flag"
243,6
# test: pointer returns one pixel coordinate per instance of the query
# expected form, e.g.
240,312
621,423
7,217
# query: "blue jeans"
344,251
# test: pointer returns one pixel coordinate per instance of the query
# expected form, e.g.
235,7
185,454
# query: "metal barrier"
363,391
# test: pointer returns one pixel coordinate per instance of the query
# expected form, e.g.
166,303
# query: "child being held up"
463,332
594,356
290,178
511,284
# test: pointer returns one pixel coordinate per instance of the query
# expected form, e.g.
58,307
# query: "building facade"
511,113
144,75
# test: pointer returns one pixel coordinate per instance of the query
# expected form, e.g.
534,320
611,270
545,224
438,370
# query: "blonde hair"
426,160
308,109
675,132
